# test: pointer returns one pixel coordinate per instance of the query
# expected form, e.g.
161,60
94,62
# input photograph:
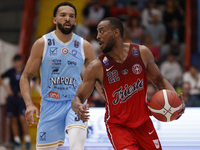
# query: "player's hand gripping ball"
165,105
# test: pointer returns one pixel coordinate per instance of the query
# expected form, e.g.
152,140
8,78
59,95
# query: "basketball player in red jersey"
122,70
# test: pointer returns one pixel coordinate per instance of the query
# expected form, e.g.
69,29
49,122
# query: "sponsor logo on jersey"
74,52
55,62
76,44
54,95
125,71
135,51
55,70
72,63
65,51
42,136
105,61
137,69
122,94
62,80
156,142
53,50
68,96
108,69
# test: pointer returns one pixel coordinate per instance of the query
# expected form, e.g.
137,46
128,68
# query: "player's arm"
89,57
31,68
89,53
92,74
8,89
154,74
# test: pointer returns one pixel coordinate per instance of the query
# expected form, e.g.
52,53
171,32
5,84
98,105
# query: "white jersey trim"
59,41
82,49
45,48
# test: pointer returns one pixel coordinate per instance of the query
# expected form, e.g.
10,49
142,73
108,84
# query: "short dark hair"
17,57
116,23
63,4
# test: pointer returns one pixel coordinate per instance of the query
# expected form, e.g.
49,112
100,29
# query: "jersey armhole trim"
82,49
45,48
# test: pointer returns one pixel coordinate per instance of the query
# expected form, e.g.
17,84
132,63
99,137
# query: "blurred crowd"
157,24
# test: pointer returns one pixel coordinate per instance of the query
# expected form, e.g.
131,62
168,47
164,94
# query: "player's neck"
118,53
63,37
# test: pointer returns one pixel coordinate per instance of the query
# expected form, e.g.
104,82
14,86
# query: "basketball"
165,105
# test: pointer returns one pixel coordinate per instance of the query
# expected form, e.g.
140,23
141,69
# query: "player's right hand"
29,115
83,112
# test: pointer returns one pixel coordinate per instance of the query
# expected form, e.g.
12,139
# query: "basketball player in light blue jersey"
59,55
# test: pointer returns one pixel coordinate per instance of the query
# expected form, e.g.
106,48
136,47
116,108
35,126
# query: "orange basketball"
165,105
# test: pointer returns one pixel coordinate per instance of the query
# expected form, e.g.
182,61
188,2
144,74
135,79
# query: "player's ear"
116,32
54,20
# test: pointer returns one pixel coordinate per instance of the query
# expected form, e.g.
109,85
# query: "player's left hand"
183,106
83,112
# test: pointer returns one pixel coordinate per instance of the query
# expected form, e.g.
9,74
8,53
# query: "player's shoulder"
86,44
95,69
40,41
143,48
146,54
38,46
144,51
88,50
96,64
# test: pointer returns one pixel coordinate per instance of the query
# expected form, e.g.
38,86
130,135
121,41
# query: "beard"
109,46
64,30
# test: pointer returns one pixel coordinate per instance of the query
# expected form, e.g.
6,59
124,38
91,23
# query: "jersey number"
77,118
113,76
51,42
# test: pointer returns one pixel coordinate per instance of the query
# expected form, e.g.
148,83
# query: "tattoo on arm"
30,75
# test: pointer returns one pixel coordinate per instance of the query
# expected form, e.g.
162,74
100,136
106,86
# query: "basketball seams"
165,105
158,102
161,108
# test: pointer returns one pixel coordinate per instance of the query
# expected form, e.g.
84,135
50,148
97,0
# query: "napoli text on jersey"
61,67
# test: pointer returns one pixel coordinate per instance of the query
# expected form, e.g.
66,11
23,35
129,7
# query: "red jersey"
125,87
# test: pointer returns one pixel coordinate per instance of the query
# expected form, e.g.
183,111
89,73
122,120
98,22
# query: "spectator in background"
148,12
122,9
93,13
175,40
82,30
15,105
135,31
190,100
172,10
153,48
193,77
171,70
126,37
156,30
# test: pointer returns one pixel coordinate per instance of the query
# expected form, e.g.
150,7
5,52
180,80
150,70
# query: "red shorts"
143,137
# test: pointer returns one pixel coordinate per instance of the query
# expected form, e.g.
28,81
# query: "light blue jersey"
61,67
60,78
